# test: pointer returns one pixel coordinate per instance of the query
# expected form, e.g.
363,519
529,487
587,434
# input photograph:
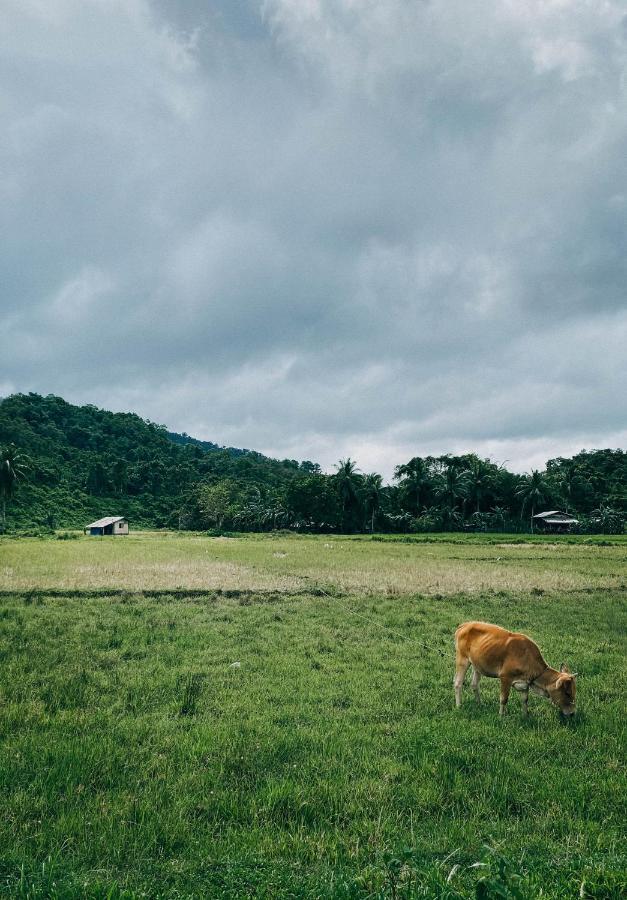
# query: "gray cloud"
321,228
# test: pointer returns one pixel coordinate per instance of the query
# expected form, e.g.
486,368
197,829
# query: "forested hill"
204,445
62,466
84,462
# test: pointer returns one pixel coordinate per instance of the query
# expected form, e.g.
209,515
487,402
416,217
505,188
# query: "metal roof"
108,520
551,512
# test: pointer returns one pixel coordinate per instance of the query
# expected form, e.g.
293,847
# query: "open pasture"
183,716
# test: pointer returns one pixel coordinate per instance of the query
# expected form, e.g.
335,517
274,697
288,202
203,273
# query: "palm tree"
453,486
371,494
347,483
414,481
499,513
479,481
533,489
611,521
568,480
278,515
13,467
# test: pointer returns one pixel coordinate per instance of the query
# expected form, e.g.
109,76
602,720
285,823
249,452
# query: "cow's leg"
524,696
506,685
476,677
461,667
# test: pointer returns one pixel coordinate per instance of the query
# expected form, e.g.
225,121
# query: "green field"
273,716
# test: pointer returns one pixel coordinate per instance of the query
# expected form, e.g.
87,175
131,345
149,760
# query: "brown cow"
516,660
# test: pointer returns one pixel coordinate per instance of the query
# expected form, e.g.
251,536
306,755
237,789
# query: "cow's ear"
563,668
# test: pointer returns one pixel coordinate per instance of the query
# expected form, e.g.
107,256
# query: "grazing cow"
516,660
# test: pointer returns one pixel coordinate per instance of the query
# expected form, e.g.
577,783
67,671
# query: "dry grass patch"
288,563
467,578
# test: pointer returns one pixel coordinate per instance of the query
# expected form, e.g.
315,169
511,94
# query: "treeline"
64,465
83,462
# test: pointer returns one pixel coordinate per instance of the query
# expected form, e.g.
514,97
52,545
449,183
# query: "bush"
602,521
427,523
38,531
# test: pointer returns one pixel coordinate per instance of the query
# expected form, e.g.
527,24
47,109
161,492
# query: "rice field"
273,716
463,564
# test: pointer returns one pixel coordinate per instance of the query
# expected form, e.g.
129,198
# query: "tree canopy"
64,465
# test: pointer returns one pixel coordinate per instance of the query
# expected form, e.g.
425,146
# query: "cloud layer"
321,227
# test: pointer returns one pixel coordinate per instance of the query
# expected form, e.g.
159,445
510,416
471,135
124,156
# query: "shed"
108,525
554,520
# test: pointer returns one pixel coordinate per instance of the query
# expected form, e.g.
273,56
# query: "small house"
108,525
554,520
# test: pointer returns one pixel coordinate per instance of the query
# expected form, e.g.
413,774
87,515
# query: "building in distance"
554,520
108,525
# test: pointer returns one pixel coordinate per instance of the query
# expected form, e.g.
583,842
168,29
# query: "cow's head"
562,691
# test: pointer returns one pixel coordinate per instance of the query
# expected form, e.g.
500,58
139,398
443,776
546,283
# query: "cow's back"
472,634
493,649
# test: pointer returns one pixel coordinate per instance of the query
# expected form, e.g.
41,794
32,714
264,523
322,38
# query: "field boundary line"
317,587
149,593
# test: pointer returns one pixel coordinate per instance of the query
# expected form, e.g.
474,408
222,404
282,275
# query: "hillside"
85,462
82,463
185,438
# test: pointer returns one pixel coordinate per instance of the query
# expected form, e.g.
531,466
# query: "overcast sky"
320,228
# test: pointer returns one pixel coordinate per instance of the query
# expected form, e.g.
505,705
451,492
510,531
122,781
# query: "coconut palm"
479,481
499,514
533,489
347,482
567,482
414,482
371,496
13,467
452,487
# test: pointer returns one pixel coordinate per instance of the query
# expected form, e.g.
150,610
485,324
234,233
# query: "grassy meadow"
273,716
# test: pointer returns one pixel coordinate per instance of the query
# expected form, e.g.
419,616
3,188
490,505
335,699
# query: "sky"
321,228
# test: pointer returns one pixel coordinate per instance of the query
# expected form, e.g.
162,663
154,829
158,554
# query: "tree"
479,481
347,483
313,502
215,503
97,480
608,520
371,496
567,480
498,514
119,476
13,467
310,468
157,478
415,481
532,490
277,515
452,487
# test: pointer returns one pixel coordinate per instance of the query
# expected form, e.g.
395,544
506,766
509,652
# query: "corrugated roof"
108,520
551,512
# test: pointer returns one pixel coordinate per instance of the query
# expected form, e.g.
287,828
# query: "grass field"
183,716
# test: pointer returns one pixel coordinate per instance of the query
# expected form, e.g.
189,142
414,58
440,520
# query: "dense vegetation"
64,465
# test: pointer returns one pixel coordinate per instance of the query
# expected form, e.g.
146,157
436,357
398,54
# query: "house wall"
113,529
